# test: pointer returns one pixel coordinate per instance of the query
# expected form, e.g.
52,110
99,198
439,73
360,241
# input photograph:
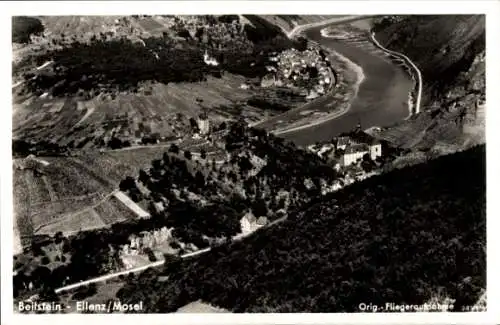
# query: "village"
308,70
151,246
355,155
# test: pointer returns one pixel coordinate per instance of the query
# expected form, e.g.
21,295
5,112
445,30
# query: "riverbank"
343,109
333,104
358,33
416,76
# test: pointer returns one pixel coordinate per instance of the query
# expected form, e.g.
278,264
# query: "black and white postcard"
241,160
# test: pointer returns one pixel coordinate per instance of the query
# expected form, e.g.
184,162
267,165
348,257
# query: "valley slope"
407,236
450,52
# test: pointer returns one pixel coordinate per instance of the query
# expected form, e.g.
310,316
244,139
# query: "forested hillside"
24,27
112,64
405,237
449,50
441,46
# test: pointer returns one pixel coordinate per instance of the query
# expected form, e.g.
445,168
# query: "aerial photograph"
248,164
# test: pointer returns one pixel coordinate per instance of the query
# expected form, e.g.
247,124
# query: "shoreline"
360,77
334,20
412,67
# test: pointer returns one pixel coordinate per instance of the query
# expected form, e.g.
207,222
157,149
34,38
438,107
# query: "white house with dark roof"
341,143
354,153
357,144
249,223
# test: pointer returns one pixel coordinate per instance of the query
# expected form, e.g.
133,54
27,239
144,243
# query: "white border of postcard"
491,8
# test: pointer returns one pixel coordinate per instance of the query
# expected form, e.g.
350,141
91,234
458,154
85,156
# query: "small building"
261,221
209,60
375,150
249,223
354,153
341,143
203,125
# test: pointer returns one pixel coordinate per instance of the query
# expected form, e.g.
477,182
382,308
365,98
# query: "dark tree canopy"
24,27
421,223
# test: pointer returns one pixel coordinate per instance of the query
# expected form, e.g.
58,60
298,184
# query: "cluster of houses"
293,66
249,223
348,152
350,148
147,239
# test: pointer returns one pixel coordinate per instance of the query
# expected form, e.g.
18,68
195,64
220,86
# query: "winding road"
382,98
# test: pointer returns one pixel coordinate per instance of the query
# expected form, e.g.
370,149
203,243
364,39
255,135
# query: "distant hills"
408,236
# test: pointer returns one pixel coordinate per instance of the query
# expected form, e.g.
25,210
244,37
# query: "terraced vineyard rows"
112,211
74,223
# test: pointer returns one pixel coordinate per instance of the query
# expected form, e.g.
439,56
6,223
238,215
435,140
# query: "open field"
131,118
116,165
149,24
69,195
73,223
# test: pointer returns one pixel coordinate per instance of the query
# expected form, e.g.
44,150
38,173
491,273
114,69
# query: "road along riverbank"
416,75
381,99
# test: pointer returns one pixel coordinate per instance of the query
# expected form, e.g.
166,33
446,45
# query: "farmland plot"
120,163
58,197
51,212
112,211
73,223
149,24
69,179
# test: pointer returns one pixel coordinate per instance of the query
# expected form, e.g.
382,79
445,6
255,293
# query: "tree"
143,176
193,124
203,153
184,33
166,159
173,148
45,260
245,164
24,27
187,154
281,203
40,275
259,207
157,165
199,180
127,184
115,143
58,237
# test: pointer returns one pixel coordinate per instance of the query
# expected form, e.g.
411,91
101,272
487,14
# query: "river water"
382,99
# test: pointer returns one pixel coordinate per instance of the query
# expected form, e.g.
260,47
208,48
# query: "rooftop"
356,148
360,136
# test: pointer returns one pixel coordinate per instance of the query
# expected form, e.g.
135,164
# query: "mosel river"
382,99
